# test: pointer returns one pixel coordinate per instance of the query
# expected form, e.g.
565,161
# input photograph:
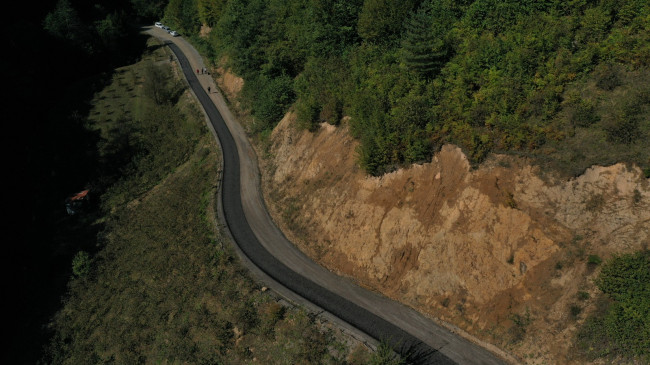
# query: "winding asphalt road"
414,336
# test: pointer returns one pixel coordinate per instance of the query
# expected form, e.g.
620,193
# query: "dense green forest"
565,82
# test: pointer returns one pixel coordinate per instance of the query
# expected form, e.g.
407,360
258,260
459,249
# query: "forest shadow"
59,158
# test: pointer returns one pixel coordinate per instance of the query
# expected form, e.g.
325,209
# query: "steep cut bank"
497,251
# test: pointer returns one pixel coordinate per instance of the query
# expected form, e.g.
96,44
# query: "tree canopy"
552,80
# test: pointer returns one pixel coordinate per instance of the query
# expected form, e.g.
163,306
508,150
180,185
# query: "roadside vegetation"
564,82
620,327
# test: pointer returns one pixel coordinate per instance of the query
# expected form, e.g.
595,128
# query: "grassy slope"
165,287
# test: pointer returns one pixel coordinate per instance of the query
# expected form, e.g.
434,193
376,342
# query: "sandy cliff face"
472,247
475,248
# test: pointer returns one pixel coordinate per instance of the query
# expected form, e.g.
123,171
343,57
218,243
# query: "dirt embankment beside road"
497,251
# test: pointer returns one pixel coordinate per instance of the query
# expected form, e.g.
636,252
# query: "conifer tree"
64,23
210,11
424,47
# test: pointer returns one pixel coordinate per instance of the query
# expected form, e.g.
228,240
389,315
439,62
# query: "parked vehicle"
158,25
174,33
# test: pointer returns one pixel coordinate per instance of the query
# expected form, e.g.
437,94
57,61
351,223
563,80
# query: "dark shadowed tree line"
58,55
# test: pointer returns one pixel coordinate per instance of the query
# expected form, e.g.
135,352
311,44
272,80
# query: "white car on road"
158,25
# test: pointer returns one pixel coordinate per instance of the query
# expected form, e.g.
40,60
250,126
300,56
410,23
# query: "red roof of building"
80,195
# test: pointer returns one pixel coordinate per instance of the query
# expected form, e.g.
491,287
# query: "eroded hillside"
498,251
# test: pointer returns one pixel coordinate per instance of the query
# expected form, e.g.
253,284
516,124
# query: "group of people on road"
201,72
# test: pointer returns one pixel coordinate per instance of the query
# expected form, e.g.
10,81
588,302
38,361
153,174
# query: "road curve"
414,336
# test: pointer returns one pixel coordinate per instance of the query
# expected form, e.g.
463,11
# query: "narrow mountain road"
286,269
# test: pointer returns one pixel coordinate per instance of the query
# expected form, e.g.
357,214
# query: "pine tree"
424,46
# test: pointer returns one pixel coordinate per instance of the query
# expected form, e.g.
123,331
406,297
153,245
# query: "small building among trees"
74,203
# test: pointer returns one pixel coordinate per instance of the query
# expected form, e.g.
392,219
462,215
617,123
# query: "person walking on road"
208,89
